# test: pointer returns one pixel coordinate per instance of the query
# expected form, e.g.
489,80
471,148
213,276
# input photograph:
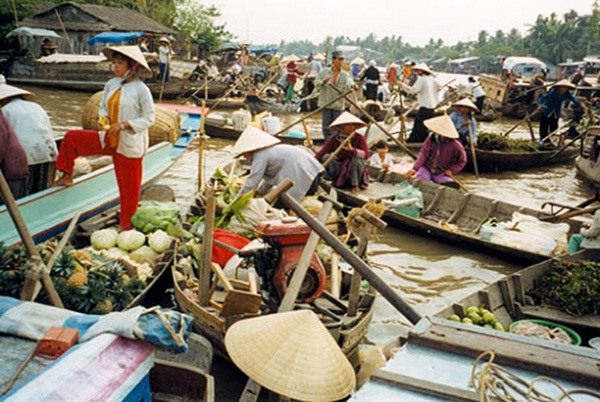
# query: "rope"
493,381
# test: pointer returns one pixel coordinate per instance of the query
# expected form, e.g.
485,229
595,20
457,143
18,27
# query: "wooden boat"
450,348
242,299
48,212
516,103
587,162
86,73
451,215
171,381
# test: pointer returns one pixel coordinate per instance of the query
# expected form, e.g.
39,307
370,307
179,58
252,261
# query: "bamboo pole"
207,243
527,117
201,145
64,30
340,147
473,153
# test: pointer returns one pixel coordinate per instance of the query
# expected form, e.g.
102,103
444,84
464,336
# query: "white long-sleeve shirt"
135,107
32,125
426,88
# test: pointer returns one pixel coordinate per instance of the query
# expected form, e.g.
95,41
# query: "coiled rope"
493,382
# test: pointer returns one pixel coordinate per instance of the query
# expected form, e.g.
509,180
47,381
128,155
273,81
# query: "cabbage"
153,215
143,254
130,240
160,241
104,239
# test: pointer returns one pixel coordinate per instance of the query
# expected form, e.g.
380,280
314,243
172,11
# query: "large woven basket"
166,127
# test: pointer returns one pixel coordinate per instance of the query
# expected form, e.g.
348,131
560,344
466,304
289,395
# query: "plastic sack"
412,208
256,210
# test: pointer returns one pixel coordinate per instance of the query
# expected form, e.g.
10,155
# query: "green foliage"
498,142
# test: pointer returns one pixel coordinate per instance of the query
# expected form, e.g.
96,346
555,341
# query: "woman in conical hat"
463,120
126,113
273,162
347,169
550,106
442,155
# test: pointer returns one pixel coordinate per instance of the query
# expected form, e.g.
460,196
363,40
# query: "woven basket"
166,126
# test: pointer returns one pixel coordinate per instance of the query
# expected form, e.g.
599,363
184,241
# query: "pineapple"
65,265
79,279
104,307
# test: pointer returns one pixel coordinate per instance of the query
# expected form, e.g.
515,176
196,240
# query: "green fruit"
454,317
489,318
483,311
476,318
499,327
467,320
488,326
472,309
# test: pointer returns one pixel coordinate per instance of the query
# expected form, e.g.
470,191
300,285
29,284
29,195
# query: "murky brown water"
427,273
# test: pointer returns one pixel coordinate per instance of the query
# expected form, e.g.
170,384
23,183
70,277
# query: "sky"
260,22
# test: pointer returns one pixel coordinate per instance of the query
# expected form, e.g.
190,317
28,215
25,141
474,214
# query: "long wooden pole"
380,285
473,153
201,145
207,242
64,30
340,147
527,117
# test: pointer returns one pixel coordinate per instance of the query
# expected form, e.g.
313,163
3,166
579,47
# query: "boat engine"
287,238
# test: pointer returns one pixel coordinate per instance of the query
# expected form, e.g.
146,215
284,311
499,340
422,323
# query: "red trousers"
127,170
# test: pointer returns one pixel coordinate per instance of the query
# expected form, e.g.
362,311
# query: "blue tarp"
114,37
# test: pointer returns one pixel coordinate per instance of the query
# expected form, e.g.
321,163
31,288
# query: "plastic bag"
413,197
256,210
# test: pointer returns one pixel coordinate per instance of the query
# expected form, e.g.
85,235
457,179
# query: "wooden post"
64,30
473,153
359,265
201,144
207,243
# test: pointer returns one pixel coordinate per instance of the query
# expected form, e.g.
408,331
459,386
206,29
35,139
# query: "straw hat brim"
466,102
132,52
564,83
253,139
443,126
164,39
347,118
8,91
423,67
292,354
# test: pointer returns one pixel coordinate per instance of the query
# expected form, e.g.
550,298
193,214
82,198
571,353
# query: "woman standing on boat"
442,155
126,112
550,105
463,120
426,88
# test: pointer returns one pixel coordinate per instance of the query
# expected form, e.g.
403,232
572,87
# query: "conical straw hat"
8,91
564,83
466,102
292,354
423,67
132,52
253,139
442,125
347,118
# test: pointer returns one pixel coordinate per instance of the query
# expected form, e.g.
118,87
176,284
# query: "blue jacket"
552,102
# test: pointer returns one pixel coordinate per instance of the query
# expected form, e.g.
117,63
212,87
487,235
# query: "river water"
427,273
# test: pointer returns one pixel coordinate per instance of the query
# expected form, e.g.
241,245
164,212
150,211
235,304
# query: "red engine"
289,237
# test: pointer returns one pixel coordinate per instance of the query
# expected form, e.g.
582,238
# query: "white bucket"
272,124
240,119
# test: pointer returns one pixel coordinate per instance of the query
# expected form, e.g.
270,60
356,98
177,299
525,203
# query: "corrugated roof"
95,18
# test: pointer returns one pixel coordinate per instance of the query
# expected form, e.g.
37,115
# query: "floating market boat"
587,162
48,212
466,219
437,359
88,73
111,363
345,313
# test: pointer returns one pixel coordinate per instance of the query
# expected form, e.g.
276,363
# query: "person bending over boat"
13,159
339,78
442,155
273,162
426,88
550,105
347,168
464,122
126,112
32,125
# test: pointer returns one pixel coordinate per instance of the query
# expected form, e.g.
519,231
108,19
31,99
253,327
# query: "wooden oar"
37,267
558,152
570,214
340,147
372,120
473,153
527,117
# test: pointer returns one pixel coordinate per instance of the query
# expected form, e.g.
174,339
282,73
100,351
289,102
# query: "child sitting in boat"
442,155
381,158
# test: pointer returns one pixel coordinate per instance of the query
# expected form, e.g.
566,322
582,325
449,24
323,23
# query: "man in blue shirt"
550,104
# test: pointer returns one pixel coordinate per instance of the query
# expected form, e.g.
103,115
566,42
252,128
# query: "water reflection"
429,274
